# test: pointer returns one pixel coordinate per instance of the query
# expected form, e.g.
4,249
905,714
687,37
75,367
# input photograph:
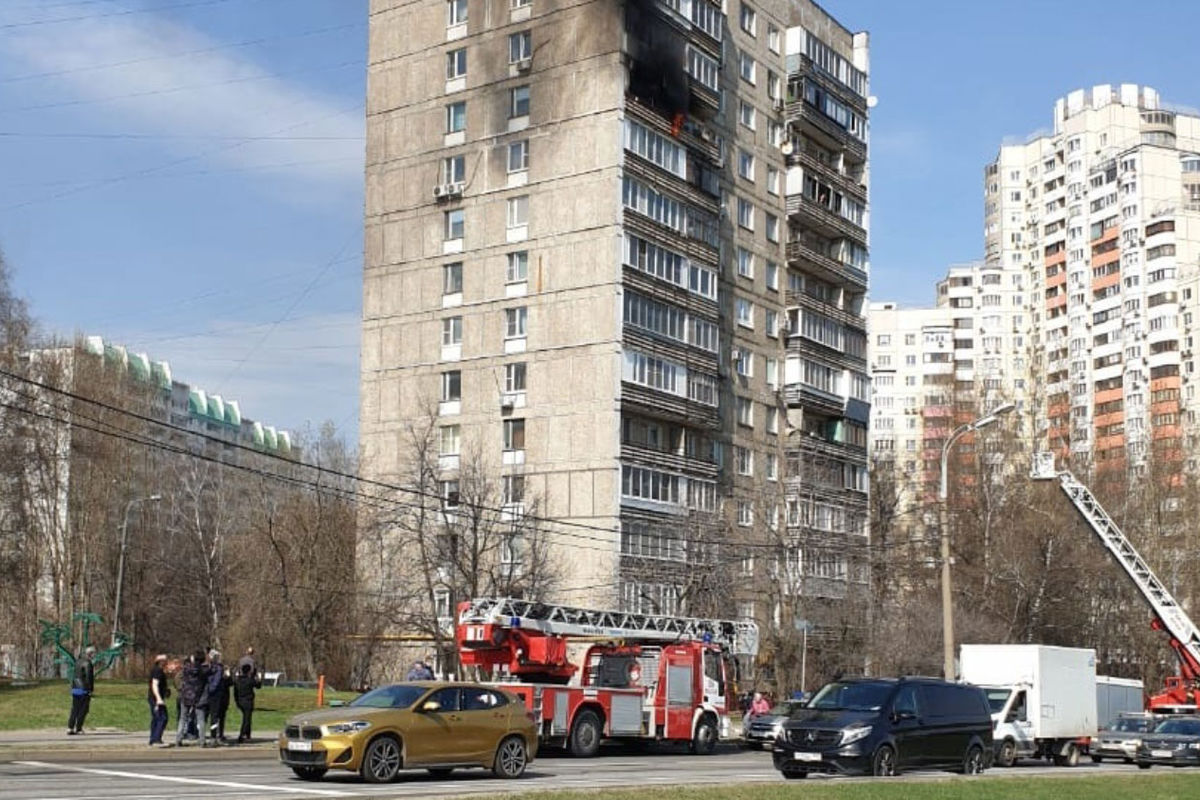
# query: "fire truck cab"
631,676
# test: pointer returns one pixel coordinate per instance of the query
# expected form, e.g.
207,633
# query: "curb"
140,754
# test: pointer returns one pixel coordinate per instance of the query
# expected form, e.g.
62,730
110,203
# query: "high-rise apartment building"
617,253
1103,215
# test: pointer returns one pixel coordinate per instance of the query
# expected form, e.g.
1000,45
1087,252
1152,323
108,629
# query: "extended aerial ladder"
529,639
1182,692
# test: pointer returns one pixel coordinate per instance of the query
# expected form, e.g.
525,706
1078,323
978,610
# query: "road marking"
171,779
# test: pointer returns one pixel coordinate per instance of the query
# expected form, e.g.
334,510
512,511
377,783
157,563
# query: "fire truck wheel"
705,740
585,735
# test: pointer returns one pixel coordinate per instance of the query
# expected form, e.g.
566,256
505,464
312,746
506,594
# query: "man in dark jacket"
219,684
83,681
243,694
193,697
157,693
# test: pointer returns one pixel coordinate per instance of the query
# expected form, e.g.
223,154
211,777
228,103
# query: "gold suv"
425,724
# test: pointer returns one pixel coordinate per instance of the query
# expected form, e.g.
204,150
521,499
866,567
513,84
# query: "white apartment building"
1103,217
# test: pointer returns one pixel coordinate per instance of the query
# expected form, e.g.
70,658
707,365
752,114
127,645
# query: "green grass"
1175,786
122,705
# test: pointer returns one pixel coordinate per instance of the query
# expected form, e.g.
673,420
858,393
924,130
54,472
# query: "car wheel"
381,762
973,761
1008,753
1144,766
705,739
440,772
585,734
1097,759
795,775
884,762
309,773
511,758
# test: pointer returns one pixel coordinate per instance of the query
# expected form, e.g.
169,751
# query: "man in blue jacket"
83,681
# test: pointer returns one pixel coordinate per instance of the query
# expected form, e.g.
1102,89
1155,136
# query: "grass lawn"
122,705
1151,786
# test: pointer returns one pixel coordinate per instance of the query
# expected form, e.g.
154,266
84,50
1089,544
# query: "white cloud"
231,96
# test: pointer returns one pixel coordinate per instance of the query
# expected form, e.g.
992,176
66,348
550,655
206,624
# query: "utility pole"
121,559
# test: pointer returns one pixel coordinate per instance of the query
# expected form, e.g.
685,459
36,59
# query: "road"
182,778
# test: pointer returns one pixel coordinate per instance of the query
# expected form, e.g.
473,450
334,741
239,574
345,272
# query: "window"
517,270
514,377
772,180
454,224
772,419
745,262
452,278
512,489
772,228
518,211
772,276
747,67
451,386
456,117
454,169
745,513
743,459
745,411
746,114
772,467
773,43
748,19
450,440
518,156
746,164
456,64
456,12
745,312
520,3
520,46
774,86
771,322
451,331
515,322
514,434
518,101
700,66
660,208
743,363
745,213
451,496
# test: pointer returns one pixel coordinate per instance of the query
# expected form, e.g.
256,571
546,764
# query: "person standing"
83,681
244,685
218,696
193,699
156,695
248,658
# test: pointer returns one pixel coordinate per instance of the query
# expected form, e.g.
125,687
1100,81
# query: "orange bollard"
320,691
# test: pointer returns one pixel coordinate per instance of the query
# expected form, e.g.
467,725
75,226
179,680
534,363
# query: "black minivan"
880,726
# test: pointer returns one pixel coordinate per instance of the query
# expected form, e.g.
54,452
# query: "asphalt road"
182,778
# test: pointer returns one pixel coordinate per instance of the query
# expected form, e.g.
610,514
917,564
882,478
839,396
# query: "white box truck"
1043,698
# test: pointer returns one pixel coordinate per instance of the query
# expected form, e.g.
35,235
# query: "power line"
123,13
170,136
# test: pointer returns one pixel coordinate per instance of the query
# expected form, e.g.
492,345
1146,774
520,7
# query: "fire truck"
587,675
1181,693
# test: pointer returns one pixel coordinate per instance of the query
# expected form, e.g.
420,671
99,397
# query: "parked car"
423,725
882,726
1120,739
1175,742
761,730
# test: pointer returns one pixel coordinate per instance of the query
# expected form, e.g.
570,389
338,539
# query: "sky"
185,176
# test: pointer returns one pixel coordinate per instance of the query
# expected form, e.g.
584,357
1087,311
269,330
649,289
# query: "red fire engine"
640,676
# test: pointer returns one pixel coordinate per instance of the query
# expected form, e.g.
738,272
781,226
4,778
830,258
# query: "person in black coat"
193,698
244,685
83,682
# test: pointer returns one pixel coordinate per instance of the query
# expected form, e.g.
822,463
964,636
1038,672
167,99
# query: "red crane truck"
586,675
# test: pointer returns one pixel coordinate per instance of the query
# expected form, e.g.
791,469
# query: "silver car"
1120,739
761,729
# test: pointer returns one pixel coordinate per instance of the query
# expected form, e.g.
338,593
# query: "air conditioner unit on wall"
524,65
444,191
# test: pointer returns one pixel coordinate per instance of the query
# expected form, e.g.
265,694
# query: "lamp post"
944,525
154,498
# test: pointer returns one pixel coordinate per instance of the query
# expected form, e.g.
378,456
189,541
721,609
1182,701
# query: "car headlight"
345,727
1133,742
851,735
1193,746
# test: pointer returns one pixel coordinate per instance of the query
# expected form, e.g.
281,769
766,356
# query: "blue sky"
185,176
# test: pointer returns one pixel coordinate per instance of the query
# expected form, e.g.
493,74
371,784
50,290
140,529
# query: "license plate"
1161,754
300,747
807,756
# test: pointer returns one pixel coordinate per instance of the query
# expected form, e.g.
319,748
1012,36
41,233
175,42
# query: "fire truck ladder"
1185,637
740,638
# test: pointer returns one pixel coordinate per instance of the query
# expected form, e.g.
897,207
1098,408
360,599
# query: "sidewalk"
109,744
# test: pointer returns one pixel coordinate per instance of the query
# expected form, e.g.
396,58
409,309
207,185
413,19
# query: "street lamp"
154,498
943,522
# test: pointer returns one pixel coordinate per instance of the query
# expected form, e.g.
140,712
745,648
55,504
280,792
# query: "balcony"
825,267
833,133
823,220
839,179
